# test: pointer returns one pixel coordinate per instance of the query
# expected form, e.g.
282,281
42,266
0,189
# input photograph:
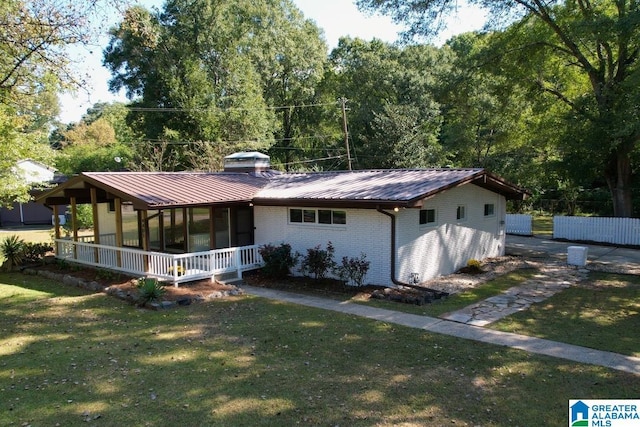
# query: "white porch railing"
620,231
519,224
175,268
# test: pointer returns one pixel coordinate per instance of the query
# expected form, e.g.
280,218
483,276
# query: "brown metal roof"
155,190
367,188
375,187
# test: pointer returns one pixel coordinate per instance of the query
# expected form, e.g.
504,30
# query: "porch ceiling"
157,190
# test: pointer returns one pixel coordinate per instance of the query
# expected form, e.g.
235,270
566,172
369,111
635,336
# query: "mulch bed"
200,289
307,285
121,284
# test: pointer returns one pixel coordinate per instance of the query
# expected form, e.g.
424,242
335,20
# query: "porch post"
96,223
74,227
144,222
185,230
119,238
56,224
212,228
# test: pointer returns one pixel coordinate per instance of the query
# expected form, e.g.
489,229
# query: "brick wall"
430,251
446,246
366,231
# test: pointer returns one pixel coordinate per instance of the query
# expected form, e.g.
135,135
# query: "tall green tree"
212,72
394,120
36,64
599,40
485,113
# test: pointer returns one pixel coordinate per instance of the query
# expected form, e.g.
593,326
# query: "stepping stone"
458,317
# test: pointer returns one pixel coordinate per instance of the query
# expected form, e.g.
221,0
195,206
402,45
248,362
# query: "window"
309,216
427,217
461,214
317,216
489,209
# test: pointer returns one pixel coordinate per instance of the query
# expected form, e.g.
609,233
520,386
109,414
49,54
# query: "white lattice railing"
175,268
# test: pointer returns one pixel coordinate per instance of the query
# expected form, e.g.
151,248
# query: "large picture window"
317,216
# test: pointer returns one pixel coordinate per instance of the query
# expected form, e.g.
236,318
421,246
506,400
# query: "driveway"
611,258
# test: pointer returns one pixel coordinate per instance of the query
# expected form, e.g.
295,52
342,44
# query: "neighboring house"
31,213
412,225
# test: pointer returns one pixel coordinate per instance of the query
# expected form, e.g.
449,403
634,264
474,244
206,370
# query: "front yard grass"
71,358
603,313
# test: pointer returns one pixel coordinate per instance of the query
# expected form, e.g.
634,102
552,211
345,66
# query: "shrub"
278,260
473,267
318,262
353,270
150,290
34,252
12,249
84,219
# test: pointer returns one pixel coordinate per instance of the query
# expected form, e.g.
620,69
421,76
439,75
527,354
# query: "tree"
35,65
393,118
598,41
215,72
16,144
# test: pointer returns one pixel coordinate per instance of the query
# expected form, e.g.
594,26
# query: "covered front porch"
173,268
180,230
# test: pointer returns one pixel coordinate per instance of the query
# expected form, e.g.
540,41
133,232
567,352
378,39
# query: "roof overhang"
80,188
242,189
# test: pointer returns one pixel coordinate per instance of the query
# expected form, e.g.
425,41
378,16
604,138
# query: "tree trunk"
618,176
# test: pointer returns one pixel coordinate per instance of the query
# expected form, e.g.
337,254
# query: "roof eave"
334,203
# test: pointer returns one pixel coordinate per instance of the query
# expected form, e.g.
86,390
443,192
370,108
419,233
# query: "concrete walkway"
460,330
467,323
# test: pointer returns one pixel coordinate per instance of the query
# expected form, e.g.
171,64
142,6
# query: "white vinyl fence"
619,231
519,224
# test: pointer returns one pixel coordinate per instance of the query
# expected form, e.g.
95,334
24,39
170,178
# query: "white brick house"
412,225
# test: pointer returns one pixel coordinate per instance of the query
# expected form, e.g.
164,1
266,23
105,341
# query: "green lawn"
543,225
603,314
71,358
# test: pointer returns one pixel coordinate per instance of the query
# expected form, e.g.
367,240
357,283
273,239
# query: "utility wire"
309,161
178,109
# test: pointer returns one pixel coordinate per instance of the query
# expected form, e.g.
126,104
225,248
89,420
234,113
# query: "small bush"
318,262
34,252
150,290
278,260
353,270
62,264
473,267
104,274
12,249
84,219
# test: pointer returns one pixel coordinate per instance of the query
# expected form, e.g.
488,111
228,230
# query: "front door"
244,226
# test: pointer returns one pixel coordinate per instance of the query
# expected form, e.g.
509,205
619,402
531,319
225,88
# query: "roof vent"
246,162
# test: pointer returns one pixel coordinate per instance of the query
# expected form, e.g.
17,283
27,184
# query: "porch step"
230,278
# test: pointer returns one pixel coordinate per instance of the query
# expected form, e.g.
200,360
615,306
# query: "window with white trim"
428,217
317,216
489,209
461,213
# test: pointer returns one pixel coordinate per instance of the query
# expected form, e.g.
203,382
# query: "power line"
180,110
309,161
